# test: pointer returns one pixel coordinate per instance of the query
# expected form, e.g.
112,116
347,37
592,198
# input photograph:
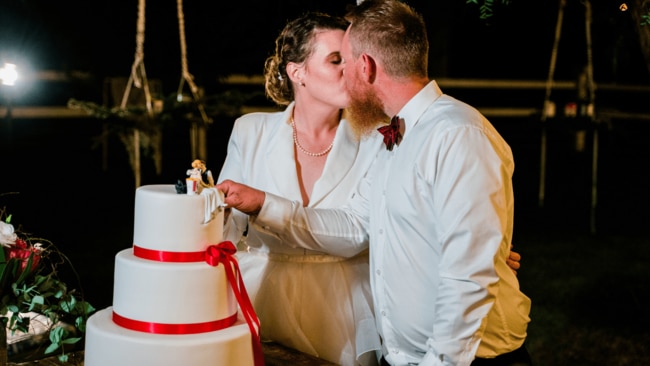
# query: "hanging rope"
185,73
548,107
551,69
591,86
138,78
138,75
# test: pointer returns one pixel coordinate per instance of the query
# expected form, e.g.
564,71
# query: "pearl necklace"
302,149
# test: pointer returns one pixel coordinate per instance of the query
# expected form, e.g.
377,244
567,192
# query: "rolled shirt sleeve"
334,231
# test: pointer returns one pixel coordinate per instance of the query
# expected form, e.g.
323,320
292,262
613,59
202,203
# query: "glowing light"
623,7
8,74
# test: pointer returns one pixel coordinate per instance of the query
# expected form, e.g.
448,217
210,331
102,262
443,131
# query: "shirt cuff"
274,214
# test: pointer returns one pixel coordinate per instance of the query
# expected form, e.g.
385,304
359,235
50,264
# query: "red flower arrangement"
24,254
30,289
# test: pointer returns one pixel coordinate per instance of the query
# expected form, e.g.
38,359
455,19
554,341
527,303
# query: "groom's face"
366,110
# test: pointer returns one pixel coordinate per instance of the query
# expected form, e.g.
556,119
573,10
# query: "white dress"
310,301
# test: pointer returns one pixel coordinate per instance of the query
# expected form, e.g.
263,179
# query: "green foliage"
29,283
226,103
47,295
487,6
645,19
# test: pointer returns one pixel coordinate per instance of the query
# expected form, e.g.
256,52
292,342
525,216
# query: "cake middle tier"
171,293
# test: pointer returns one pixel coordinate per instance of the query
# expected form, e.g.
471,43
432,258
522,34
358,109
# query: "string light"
8,74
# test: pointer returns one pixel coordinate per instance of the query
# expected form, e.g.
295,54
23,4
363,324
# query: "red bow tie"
391,133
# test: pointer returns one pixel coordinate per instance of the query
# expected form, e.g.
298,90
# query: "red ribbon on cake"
224,253
165,328
163,256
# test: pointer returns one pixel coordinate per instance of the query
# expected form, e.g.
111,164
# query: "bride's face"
323,70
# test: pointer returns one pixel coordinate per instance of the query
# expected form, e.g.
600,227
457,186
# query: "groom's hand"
242,197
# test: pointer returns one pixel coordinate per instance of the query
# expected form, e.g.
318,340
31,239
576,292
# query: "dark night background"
581,281
234,37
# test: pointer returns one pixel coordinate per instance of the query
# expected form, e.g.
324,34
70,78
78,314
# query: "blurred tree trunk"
639,8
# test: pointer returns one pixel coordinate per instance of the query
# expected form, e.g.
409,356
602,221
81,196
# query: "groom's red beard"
366,113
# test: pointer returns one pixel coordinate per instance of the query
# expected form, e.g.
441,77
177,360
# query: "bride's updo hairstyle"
295,44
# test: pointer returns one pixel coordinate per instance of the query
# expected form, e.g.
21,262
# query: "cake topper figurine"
199,177
201,173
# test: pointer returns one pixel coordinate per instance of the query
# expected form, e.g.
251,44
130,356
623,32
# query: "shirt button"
379,272
381,231
383,313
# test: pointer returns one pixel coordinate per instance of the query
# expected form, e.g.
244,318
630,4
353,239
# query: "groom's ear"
367,68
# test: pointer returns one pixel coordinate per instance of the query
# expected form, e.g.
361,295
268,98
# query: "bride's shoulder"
259,119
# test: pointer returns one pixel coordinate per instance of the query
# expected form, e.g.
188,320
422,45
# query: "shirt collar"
414,108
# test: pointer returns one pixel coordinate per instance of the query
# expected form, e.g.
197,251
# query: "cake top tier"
167,221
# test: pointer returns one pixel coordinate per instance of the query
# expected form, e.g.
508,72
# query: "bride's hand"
514,260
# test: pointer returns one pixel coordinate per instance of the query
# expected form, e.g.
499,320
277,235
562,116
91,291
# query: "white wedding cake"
170,307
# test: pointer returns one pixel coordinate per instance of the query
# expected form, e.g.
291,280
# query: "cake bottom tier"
108,344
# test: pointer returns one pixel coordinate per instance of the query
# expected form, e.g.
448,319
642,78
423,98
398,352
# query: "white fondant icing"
110,345
167,221
175,293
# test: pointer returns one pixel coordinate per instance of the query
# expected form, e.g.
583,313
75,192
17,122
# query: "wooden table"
274,355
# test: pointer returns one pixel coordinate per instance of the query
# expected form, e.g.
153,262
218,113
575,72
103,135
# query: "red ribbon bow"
391,133
224,253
